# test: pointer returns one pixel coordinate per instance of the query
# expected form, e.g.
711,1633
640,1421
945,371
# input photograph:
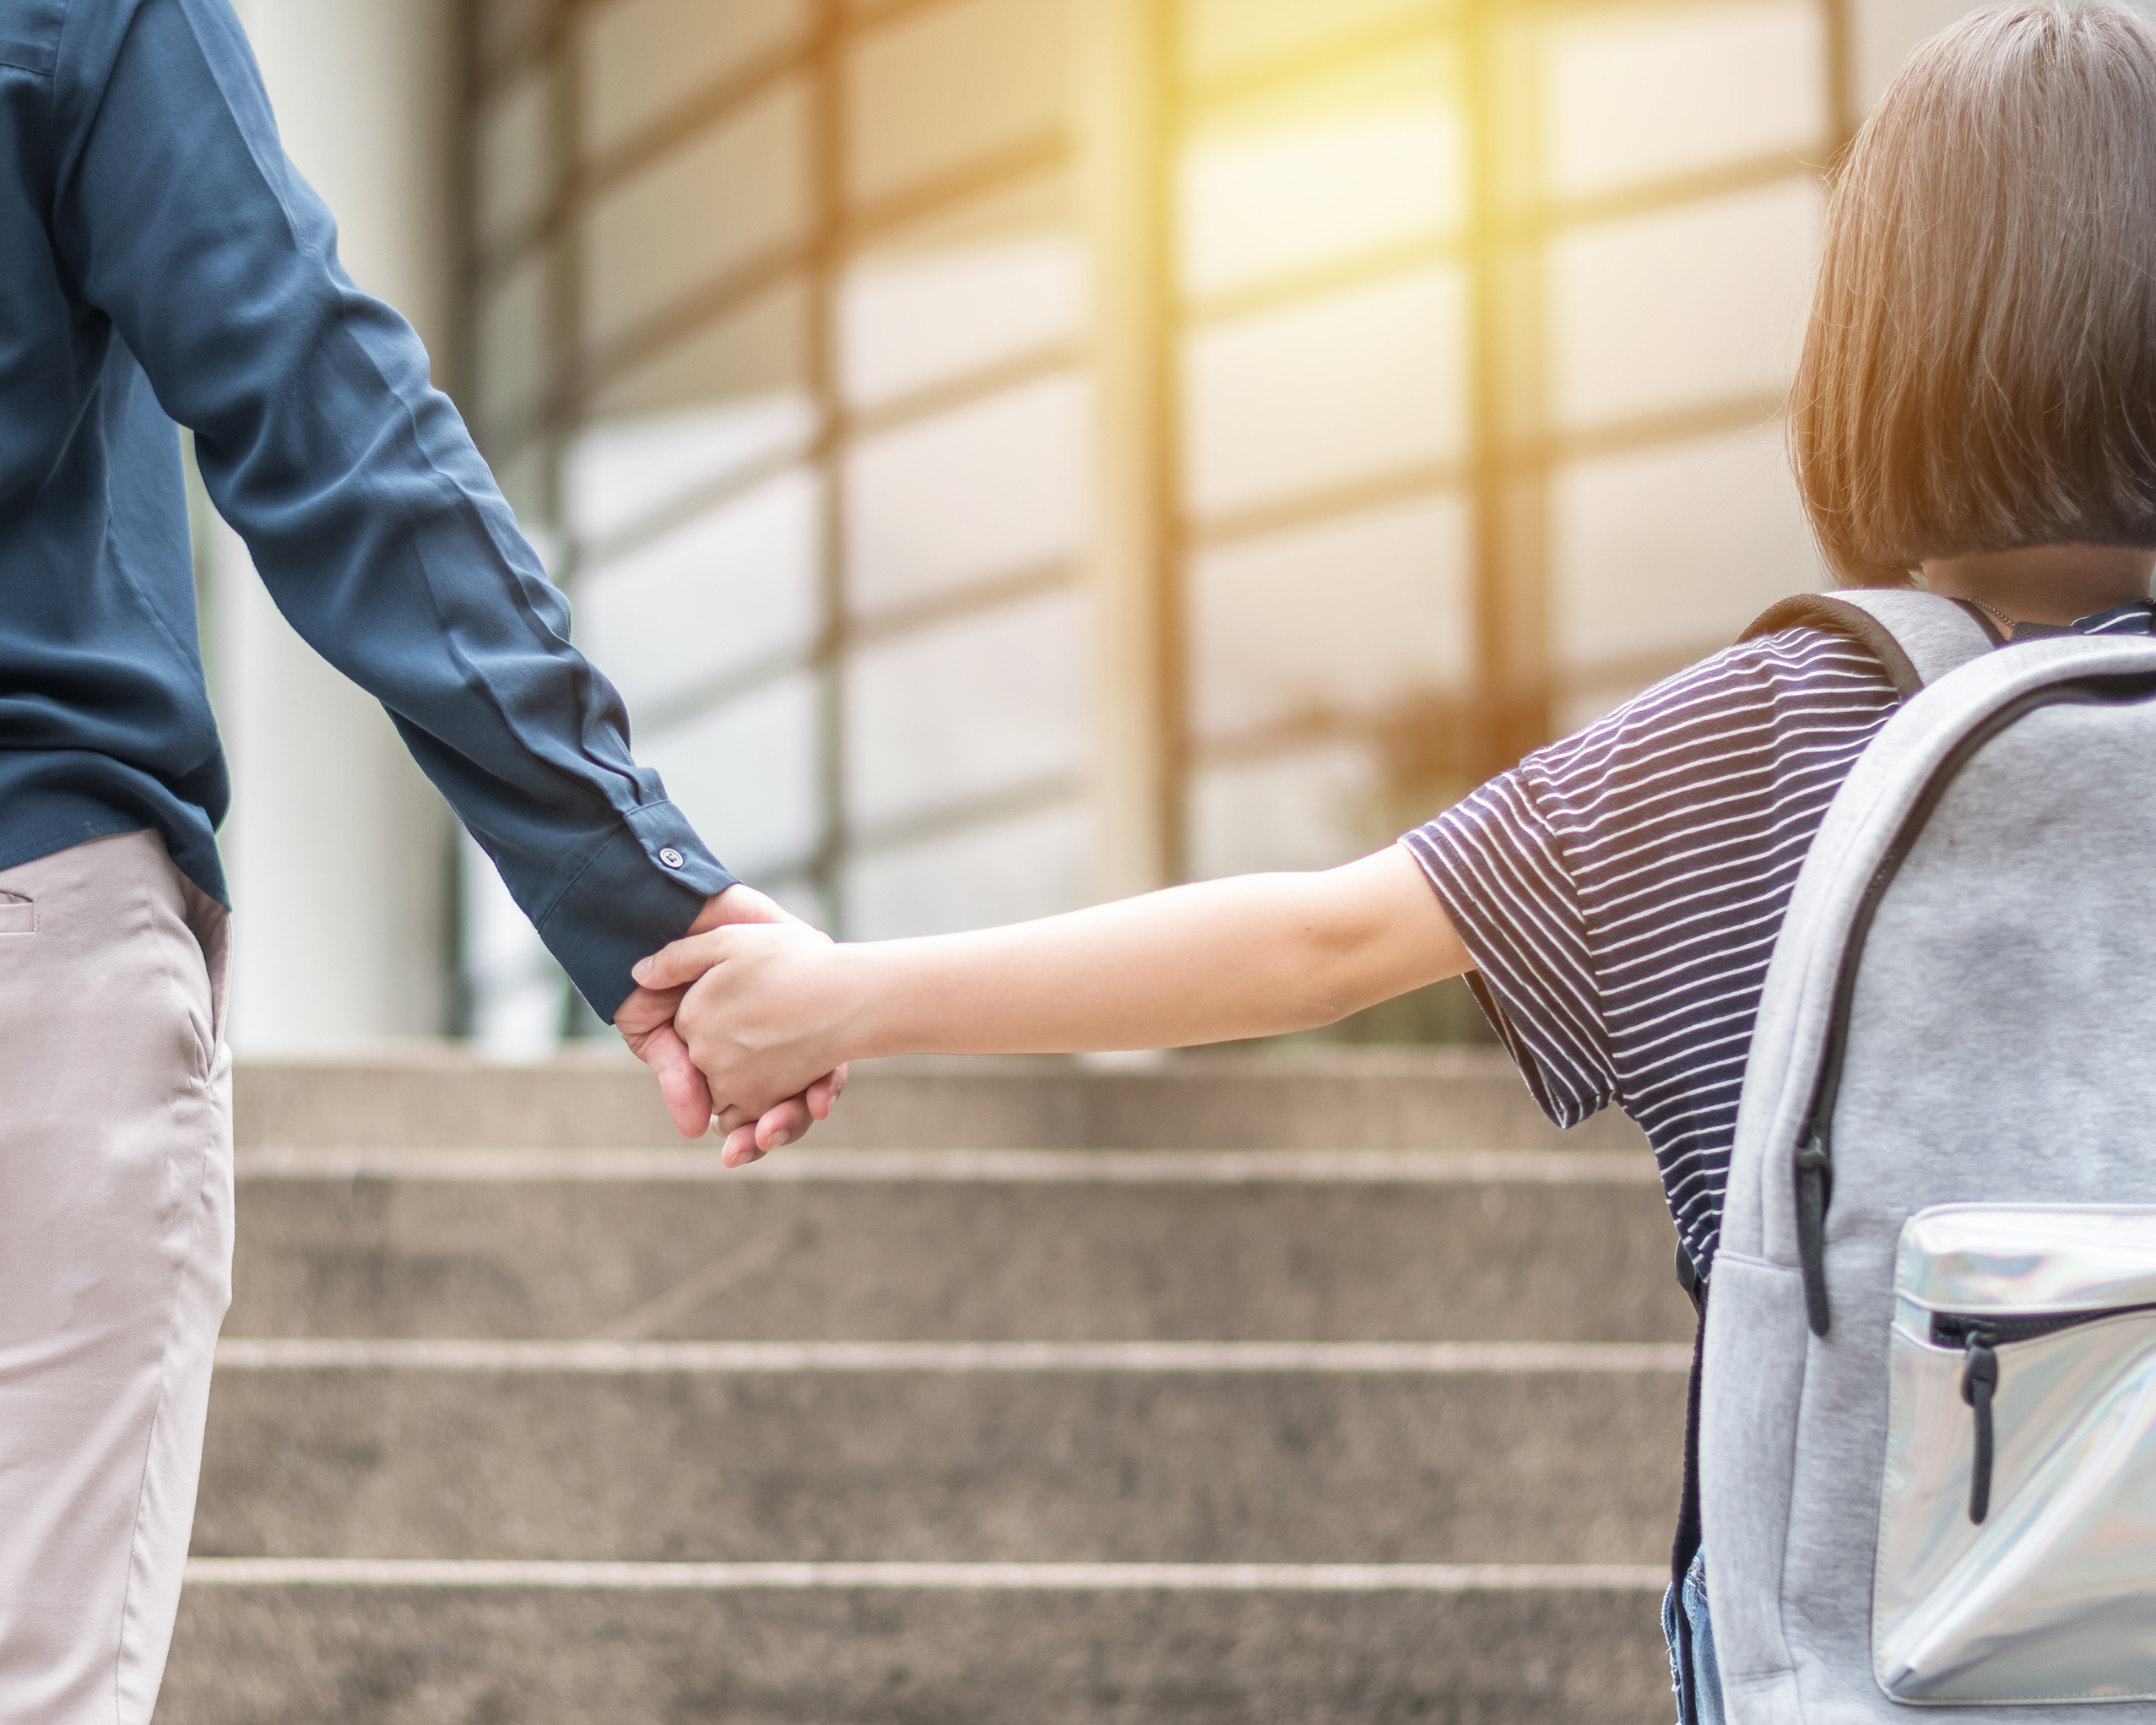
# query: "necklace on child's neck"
1991,611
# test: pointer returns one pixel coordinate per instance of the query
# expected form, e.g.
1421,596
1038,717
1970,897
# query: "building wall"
1011,450
1008,451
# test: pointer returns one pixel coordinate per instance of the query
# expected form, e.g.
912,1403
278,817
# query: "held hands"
761,1012
647,1022
760,1016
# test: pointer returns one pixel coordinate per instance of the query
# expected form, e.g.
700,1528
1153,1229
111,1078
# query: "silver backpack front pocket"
2016,1556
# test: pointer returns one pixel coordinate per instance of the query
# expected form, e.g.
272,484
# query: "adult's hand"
646,1022
765,1008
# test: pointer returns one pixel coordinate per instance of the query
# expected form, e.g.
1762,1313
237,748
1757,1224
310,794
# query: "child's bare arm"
1259,955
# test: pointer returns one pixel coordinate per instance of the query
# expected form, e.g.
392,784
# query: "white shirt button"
672,857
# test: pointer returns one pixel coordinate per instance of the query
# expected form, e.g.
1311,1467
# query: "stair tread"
340,1657
1463,1262
1562,1467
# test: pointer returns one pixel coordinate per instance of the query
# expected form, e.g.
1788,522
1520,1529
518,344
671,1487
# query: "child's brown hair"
1980,370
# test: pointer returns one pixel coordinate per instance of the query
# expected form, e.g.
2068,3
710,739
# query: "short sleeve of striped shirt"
1620,891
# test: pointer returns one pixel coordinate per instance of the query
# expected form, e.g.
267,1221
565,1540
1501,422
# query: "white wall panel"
643,59
1695,304
513,142
746,775
984,491
1344,616
730,590
1673,550
1259,201
514,342
618,472
948,84
1885,31
1033,865
908,320
967,709
1359,382
1227,35
1632,95
1310,809
731,194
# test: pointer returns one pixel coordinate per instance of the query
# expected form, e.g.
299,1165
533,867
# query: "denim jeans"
1705,1678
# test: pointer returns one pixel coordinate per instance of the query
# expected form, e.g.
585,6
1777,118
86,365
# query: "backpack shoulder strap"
1917,637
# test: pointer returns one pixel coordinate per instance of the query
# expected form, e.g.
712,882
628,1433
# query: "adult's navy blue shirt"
161,260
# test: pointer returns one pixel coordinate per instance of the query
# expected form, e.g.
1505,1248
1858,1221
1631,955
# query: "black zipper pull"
1814,1169
1980,1379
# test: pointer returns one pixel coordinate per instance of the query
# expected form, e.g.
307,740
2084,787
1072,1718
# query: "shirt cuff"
641,889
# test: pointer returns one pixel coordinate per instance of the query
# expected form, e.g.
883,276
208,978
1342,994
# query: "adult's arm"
376,525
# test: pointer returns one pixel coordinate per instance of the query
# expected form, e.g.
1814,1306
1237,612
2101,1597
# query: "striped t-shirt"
1620,892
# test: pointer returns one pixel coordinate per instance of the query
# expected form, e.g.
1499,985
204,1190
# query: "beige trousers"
116,1265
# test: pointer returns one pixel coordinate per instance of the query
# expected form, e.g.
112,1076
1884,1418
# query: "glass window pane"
1693,305
985,704
1225,36
732,193
1661,557
760,350
1357,166
948,84
523,479
1314,809
1883,33
798,893
911,319
621,473
989,490
513,144
730,590
515,347
643,59
1357,384
1343,617
1634,96
1012,871
746,775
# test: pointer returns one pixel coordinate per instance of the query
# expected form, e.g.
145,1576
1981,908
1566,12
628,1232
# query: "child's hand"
760,1016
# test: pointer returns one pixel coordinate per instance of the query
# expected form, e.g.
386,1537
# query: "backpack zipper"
1980,1338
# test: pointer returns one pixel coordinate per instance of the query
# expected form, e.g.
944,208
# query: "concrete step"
744,1256
997,1313
1027,1465
1374,1099
341,1656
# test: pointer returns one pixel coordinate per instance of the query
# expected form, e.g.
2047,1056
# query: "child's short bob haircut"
1979,371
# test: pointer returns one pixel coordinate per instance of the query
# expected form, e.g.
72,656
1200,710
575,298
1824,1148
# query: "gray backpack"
1927,1438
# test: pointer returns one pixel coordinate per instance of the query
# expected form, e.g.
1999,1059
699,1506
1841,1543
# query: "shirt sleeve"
373,519
1498,868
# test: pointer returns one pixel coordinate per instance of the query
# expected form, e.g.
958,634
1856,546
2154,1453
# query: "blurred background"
1014,452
